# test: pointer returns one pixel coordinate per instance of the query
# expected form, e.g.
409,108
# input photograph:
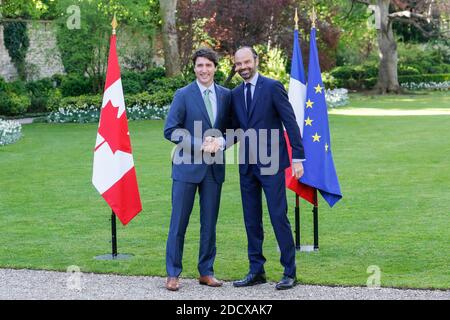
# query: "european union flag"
320,172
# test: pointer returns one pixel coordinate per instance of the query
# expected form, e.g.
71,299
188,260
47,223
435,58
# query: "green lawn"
413,100
394,174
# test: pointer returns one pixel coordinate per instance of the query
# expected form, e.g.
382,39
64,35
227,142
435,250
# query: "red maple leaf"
114,130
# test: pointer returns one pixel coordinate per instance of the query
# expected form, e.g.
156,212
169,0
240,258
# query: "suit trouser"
183,196
274,188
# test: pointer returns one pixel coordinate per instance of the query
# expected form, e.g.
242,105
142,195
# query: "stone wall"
7,69
43,58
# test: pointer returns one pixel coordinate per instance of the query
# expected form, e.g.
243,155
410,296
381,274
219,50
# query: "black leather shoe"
286,283
251,279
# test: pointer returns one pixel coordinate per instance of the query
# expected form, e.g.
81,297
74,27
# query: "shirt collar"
203,88
253,80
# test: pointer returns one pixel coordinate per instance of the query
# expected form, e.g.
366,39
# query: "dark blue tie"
249,96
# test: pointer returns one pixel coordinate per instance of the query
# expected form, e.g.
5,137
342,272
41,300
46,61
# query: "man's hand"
297,170
210,145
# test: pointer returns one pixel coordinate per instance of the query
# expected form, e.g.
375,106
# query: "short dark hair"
255,54
207,53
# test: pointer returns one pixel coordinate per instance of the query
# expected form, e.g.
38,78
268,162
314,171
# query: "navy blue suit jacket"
270,109
186,108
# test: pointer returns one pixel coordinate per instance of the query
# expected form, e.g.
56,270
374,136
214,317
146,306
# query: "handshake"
211,144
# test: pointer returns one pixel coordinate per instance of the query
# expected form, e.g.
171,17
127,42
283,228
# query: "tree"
170,39
416,12
25,9
84,43
234,23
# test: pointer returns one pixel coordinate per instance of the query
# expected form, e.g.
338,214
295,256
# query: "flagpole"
113,235
316,221
297,200
297,222
114,255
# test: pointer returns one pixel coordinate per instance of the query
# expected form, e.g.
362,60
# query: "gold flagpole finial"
114,24
296,19
313,18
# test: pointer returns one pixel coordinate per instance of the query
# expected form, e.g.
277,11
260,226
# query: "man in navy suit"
262,105
197,110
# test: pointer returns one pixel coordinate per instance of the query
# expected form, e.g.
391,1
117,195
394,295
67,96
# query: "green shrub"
342,72
81,102
3,84
39,92
18,87
424,78
169,84
161,98
75,85
131,86
157,99
54,100
407,70
369,83
329,81
152,74
12,104
353,77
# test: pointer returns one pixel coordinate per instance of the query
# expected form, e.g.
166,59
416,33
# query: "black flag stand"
114,255
298,246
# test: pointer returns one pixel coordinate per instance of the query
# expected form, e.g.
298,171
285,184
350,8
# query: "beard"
246,74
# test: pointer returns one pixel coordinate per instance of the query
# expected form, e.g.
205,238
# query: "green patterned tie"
208,106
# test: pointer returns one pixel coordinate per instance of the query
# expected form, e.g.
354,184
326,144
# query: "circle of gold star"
316,137
309,104
318,88
308,122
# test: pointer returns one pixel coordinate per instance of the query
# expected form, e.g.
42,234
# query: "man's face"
204,71
245,64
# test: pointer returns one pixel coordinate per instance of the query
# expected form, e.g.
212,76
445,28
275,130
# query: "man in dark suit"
197,110
261,104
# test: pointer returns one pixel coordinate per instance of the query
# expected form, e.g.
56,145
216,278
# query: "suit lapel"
256,95
219,98
198,99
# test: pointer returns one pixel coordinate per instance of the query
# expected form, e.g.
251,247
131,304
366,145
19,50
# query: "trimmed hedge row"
364,76
159,99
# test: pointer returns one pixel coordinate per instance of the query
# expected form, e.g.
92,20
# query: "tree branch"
410,15
366,2
414,23
350,11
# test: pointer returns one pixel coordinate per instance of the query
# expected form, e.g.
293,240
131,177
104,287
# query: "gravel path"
51,285
25,120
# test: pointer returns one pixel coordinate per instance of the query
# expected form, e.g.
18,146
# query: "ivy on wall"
17,42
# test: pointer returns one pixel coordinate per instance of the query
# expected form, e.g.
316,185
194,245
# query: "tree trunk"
387,74
170,38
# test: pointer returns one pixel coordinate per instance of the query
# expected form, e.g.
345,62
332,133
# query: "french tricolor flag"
297,98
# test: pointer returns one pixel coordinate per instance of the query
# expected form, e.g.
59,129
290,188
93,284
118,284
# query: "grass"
412,100
394,174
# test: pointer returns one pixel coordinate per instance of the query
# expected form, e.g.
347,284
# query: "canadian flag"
114,175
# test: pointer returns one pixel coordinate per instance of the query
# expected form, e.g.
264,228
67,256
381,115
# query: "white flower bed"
444,86
10,131
336,97
92,114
